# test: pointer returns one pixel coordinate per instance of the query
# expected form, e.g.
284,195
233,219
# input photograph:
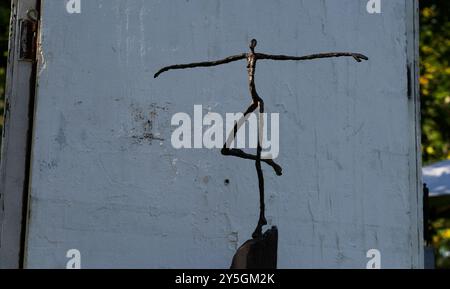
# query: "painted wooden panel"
107,181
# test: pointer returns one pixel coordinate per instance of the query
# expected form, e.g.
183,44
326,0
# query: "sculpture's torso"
251,67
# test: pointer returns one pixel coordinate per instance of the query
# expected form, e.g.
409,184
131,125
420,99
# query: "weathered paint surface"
106,180
15,142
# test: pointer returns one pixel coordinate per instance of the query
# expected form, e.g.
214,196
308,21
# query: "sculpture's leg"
262,218
257,101
226,151
241,154
238,125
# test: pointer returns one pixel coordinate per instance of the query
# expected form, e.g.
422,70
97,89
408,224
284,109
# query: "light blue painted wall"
347,147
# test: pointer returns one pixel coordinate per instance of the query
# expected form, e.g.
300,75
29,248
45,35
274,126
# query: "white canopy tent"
437,178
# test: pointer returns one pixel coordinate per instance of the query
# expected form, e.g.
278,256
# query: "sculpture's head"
253,44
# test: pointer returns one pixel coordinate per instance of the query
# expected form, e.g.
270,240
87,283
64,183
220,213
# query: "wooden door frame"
17,136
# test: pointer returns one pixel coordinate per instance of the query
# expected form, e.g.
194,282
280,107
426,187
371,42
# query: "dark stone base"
258,253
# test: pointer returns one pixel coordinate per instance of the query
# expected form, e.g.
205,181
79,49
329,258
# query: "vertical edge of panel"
415,162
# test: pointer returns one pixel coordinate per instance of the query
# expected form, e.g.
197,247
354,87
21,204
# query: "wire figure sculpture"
257,102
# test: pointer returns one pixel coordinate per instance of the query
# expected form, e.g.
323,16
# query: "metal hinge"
409,81
28,36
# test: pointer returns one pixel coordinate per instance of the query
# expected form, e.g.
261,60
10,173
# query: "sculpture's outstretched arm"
202,64
357,56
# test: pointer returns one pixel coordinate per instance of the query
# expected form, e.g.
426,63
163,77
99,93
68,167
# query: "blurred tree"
435,79
4,32
441,241
435,101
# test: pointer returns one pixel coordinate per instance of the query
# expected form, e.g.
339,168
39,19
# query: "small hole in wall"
227,182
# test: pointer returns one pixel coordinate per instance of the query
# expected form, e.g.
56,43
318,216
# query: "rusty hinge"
28,36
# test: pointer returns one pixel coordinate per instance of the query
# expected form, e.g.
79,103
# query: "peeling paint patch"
145,122
233,240
46,166
42,61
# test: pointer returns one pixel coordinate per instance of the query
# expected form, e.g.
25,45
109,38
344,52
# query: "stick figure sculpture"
252,57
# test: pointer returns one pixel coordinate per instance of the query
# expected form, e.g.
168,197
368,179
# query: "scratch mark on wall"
61,136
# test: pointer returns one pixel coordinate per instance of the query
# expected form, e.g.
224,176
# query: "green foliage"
441,241
435,79
435,102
